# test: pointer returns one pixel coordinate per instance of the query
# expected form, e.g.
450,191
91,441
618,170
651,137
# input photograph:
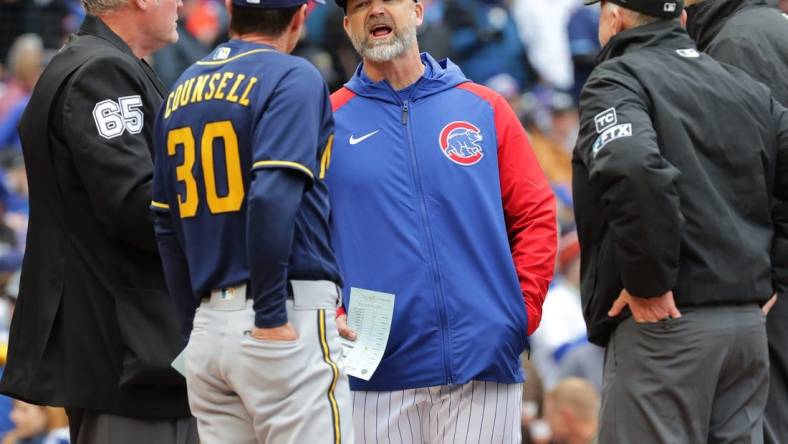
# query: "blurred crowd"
535,53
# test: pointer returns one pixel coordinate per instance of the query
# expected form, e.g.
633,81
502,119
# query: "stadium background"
536,53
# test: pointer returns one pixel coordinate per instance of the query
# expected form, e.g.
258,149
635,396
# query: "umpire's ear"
143,5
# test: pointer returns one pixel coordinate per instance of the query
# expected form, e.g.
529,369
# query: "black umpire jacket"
751,35
676,176
93,326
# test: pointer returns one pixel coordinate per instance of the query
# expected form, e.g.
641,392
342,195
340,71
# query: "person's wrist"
263,320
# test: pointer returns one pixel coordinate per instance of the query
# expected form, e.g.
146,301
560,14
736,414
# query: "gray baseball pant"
243,390
702,378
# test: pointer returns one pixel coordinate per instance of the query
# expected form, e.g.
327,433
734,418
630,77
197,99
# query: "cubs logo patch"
460,142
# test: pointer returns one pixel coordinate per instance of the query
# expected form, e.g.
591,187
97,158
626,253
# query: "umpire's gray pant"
244,390
702,378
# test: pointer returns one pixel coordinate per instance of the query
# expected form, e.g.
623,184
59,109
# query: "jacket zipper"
425,220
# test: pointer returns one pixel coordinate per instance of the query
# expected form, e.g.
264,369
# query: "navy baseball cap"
654,8
273,4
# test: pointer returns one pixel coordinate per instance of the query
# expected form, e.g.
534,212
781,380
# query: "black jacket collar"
706,19
664,33
93,25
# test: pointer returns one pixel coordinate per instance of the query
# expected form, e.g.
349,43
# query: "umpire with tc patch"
678,175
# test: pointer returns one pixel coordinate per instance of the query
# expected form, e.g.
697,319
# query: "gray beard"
384,52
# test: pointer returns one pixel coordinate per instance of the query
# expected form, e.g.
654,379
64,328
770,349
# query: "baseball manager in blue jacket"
438,199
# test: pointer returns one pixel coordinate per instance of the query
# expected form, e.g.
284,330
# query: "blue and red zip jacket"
438,198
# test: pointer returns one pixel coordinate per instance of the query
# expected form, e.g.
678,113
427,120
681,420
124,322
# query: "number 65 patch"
113,118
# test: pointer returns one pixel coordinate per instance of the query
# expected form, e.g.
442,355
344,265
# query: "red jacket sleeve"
529,210
528,205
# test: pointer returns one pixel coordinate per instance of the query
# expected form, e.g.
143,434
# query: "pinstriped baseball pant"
477,412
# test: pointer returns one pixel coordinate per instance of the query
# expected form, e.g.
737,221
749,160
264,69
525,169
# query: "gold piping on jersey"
163,206
321,324
325,161
284,163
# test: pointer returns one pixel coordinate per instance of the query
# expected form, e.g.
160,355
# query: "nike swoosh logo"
354,140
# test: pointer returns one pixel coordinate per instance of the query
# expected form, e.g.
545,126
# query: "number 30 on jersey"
189,200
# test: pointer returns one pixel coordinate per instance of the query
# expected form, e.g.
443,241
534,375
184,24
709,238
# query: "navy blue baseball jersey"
244,108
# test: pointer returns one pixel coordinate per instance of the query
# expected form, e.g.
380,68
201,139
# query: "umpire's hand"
768,306
646,309
345,331
282,333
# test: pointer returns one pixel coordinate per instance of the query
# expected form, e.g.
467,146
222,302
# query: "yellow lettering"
222,85
245,96
177,98
212,85
168,111
231,97
187,90
198,88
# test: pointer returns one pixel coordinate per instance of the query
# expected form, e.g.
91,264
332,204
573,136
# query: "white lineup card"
179,363
369,315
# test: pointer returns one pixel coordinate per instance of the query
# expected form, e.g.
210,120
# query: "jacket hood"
665,33
438,77
706,19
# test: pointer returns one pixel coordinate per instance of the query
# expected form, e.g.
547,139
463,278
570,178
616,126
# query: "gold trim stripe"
163,206
326,160
222,62
321,323
286,164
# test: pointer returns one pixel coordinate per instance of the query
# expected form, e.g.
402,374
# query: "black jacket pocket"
600,297
149,330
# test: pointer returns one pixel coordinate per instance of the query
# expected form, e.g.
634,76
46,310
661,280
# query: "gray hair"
95,7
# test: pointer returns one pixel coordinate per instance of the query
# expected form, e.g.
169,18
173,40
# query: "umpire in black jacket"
94,329
679,174
752,35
